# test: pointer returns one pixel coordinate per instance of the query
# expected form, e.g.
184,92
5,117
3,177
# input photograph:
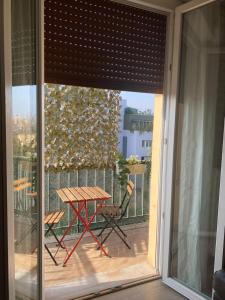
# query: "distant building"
135,132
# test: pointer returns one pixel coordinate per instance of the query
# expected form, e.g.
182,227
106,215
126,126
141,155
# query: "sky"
24,100
141,101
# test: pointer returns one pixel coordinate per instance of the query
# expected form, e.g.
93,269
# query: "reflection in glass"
25,188
201,107
24,127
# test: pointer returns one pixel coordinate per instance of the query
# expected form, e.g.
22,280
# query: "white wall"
134,143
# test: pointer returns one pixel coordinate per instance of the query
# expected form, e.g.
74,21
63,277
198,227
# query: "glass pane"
200,125
24,126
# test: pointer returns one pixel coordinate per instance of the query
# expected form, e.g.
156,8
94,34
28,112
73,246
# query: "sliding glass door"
25,127
198,147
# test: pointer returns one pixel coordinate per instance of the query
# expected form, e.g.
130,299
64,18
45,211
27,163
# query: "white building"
135,133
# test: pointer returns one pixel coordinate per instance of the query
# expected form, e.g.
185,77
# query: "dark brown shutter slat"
104,44
23,44
95,57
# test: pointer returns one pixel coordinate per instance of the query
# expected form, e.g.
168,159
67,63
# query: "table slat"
96,192
102,192
88,190
62,196
85,193
69,194
77,195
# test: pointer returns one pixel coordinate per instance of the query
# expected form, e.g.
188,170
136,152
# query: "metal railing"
138,210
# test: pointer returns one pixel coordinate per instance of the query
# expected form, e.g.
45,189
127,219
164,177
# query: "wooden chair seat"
53,217
110,210
21,184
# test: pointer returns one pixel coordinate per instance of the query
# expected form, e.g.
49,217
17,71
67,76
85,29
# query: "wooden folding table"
81,196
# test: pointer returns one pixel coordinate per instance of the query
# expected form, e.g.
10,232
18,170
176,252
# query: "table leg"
74,248
86,212
69,228
92,234
86,224
87,228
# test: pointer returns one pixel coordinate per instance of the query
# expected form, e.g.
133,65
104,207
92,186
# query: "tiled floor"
154,290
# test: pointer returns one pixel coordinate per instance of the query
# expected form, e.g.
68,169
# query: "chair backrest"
126,199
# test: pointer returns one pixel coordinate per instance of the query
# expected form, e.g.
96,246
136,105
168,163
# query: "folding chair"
23,206
114,213
51,219
20,186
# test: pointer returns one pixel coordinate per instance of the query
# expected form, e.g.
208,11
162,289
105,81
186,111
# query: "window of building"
146,143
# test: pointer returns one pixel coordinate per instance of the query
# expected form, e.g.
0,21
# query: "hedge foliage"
81,127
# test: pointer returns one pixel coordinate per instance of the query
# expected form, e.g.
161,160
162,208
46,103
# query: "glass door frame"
6,259
169,159
6,144
40,138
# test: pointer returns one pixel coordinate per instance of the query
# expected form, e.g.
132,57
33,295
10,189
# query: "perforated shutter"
104,44
23,43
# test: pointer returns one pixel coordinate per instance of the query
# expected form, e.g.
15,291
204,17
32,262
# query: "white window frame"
169,155
39,14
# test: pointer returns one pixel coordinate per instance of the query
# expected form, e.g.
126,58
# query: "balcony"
83,139
89,270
